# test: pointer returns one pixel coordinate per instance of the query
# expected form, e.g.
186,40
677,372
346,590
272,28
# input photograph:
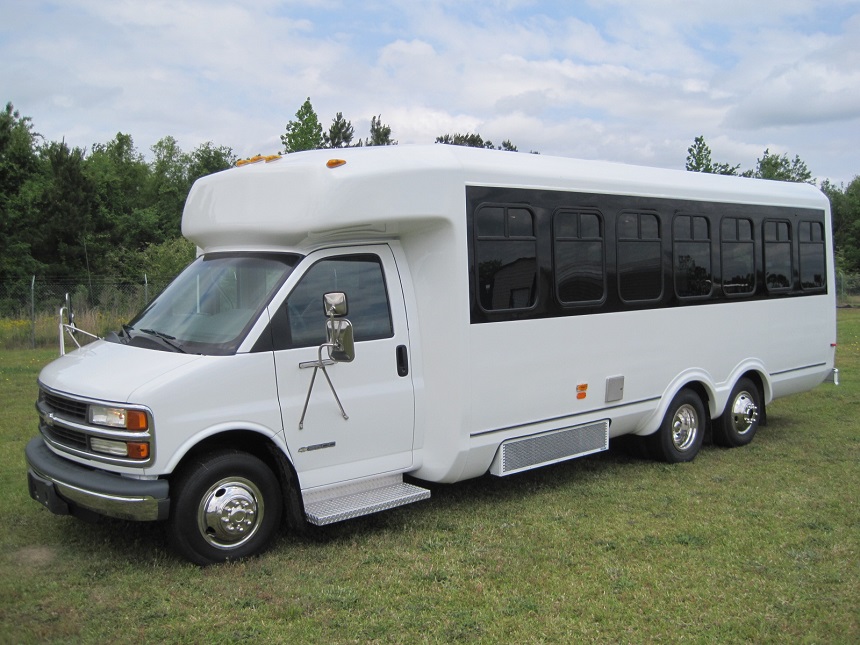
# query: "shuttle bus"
359,315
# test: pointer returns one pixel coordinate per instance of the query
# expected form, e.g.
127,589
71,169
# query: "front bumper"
63,487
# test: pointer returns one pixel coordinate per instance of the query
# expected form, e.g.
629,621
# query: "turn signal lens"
335,163
135,420
138,450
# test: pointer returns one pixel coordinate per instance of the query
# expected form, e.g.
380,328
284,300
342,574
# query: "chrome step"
354,500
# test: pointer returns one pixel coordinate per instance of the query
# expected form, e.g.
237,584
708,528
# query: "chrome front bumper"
63,487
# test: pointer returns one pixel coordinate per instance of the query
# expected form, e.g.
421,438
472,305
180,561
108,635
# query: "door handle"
402,361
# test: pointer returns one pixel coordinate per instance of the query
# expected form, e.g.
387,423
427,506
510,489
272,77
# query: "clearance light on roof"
257,159
335,163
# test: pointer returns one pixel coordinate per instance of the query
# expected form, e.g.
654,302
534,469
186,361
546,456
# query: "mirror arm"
320,365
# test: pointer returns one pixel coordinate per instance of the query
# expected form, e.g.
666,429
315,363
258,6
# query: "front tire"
226,505
742,416
682,430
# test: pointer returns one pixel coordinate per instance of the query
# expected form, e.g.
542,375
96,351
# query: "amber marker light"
138,450
136,420
335,163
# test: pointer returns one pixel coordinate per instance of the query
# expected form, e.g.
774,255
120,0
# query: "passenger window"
579,257
506,258
640,268
812,262
737,252
361,278
777,255
692,244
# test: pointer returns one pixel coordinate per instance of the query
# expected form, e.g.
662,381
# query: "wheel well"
264,449
702,392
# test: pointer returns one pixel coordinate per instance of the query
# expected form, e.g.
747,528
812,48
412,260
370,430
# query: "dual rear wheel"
682,431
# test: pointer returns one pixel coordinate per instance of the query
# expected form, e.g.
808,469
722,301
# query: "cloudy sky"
624,80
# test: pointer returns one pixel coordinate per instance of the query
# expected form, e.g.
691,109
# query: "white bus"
359,315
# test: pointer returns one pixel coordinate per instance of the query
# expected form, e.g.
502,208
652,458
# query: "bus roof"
389,190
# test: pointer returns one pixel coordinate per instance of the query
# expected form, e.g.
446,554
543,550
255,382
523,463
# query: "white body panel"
470,386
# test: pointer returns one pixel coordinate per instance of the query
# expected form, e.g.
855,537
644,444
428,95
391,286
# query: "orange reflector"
582,387
254,159
581,395
138,450
335,163
135,420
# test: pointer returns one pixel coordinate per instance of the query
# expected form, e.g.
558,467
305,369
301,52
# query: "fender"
701,377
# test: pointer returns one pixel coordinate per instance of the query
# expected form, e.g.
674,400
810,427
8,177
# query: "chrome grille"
64,424
65,436
64,406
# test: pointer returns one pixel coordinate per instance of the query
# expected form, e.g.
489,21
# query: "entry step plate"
355,500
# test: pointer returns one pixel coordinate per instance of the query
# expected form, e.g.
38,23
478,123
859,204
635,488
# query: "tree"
699,160
778,167
380,134
845,208
19,167
207,158
68,240
474,141
305,133
121,178
770,166
339,134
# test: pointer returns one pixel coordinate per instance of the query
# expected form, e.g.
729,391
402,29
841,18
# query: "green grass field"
757,544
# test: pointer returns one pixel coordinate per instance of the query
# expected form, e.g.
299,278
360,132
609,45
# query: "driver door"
375,389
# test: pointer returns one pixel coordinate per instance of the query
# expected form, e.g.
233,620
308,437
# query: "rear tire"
742,416
226,505
682,430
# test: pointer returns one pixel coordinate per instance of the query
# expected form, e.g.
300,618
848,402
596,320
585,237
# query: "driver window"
361,278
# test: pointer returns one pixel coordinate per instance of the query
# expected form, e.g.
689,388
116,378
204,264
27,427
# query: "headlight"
103,415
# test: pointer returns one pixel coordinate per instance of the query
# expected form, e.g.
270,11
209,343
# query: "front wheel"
682,430
226,505
742,416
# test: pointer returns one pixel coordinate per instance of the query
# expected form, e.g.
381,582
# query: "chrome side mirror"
340,338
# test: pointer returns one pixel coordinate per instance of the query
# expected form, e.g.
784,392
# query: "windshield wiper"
167,339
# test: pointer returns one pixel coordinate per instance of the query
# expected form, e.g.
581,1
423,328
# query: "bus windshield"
210,307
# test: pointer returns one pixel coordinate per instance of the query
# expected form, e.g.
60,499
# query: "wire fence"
29,309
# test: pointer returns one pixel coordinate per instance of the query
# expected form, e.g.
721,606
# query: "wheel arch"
266,450
699,382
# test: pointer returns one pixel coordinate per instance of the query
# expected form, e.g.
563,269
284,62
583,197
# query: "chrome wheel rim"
230,512
685,427
744,413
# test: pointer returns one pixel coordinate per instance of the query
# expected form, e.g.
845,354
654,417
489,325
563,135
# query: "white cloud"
616,79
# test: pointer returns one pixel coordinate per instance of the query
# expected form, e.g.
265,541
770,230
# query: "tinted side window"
777,255
640,270
579,257
737,251
692,256
506,257
361,278
812,262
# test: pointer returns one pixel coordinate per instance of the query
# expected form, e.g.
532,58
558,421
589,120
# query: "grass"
757,544
20,333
